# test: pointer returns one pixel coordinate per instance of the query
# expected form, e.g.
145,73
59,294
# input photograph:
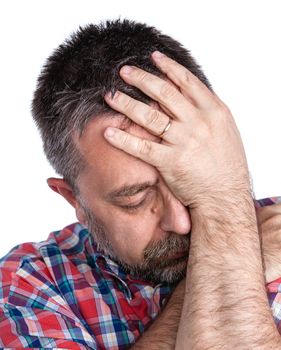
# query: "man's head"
124,202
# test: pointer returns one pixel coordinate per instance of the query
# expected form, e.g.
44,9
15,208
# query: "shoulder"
36,293
25,259
12,262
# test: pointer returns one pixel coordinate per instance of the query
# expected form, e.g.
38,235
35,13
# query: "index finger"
160,90
151,152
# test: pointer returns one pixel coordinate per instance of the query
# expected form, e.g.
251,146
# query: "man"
148,154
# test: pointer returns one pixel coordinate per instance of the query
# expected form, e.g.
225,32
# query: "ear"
62,187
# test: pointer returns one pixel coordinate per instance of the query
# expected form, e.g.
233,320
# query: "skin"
203,162
130,230
192,168
162,212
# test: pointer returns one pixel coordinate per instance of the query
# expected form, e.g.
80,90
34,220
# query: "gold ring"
166,128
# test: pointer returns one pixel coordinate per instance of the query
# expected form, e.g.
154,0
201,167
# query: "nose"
175,216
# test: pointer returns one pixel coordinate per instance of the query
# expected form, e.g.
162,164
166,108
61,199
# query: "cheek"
129,236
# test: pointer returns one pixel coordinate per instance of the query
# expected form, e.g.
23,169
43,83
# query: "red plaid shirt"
62,293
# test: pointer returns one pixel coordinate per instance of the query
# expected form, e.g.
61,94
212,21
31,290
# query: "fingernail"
112,95
126,70
157,55
109,95
115,95
109,132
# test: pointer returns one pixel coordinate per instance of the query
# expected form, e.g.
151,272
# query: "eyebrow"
130,190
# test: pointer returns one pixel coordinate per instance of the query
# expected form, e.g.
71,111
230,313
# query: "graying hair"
71,86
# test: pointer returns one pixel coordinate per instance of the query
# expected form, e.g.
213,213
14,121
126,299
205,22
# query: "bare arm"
226,304
163,332
202,159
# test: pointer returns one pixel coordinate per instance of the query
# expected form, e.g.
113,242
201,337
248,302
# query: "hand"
201,154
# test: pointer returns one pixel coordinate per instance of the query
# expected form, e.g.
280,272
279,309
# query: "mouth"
173,259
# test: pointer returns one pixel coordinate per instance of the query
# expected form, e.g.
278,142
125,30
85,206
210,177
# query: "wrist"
224,189
226,208
226,229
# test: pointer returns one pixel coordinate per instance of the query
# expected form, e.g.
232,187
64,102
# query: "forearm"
226,305
163,331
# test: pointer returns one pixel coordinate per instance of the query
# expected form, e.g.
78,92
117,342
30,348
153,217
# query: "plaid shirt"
63,293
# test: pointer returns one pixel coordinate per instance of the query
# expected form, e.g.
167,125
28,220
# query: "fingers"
144,115
191,88
159,90
189,84
150,152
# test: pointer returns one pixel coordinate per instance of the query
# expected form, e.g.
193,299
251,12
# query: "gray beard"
154,267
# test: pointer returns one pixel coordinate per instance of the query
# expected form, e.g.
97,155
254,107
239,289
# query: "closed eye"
148,197
133,207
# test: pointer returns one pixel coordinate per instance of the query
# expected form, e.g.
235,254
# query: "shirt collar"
109,266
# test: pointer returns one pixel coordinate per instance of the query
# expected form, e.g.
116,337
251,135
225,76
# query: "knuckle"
223,112
142,76
185,78
144,147
153,118
225,109
218,109
128,104
126,140
167,91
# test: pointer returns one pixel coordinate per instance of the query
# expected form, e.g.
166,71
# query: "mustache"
173,243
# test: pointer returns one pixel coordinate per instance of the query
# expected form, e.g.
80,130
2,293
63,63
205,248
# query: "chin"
169,271
172,274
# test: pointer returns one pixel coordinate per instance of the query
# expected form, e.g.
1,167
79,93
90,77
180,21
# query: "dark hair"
73,81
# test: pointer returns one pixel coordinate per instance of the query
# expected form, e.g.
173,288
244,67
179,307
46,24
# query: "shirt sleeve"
35,328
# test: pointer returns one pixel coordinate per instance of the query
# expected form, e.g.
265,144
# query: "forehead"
108,167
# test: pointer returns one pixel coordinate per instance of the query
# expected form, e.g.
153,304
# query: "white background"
236,42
